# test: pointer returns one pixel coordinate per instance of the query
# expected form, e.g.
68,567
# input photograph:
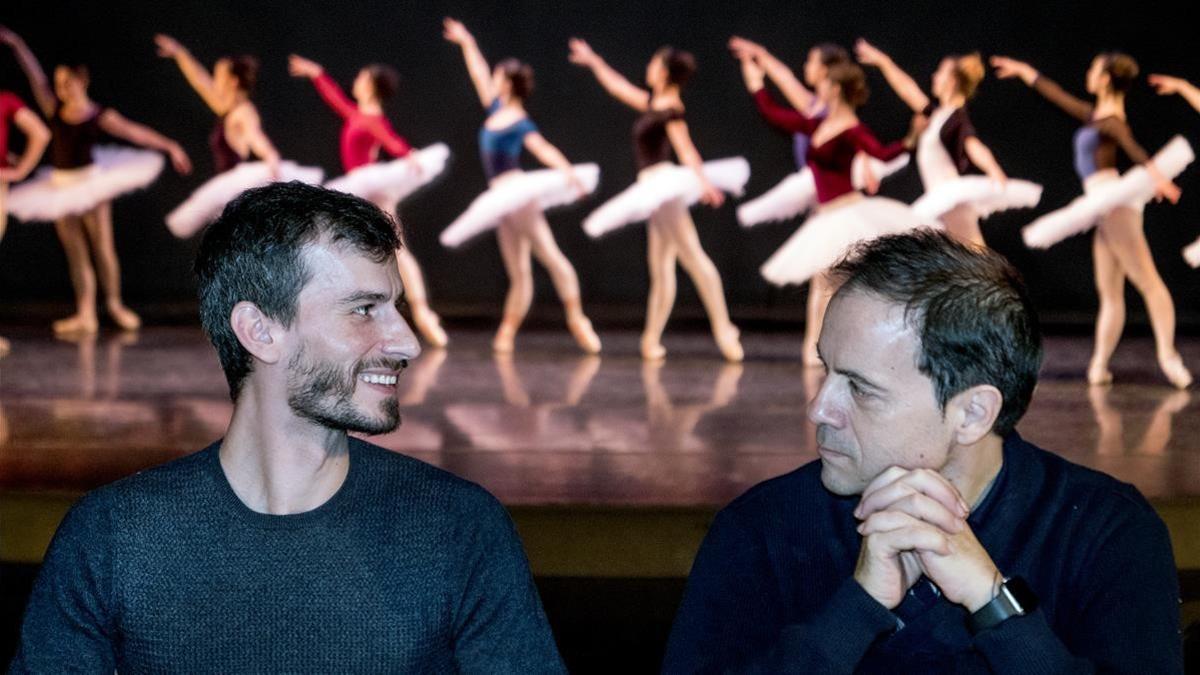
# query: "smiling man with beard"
929,537
289,546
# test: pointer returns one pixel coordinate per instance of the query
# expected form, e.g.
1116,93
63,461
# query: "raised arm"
685,150
613,82
139,134
195,72
477,66
901,83
330,92
1166,85
799,96
42,91
1007,68
37,137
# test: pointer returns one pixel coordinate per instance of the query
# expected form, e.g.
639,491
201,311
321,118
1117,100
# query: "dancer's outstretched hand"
299,66
168,47
1007,68
743,48
1167,85
752,73
581,53
1169,191
455,31
868,54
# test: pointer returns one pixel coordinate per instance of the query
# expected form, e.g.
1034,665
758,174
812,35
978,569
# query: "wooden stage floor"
551,432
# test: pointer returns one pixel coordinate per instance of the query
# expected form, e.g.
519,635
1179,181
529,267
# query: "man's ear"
259,334
976,410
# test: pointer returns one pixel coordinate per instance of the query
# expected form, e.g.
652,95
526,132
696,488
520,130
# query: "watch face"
1022,595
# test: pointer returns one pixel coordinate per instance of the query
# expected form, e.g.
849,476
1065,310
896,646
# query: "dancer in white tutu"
37,136
77,192
664,191
1168,86
514,200
844,215
1119,247
236,137
797,193
365,132
948,149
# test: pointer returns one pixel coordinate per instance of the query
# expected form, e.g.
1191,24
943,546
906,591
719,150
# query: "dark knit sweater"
405,569
772,587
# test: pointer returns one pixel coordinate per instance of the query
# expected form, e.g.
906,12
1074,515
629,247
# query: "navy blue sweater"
772,587
405,569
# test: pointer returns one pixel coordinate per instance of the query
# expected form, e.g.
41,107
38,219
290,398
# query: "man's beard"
324,393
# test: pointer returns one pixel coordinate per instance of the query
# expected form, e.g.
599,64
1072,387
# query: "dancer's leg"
83,277
706,278
660,258
962,223
566,282
98,223
1126,239
515,250
1110,320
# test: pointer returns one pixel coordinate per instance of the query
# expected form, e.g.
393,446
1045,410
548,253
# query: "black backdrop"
437,103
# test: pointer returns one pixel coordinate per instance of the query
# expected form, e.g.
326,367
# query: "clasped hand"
913,523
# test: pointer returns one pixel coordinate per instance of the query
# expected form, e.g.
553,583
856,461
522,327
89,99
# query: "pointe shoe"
584,335
124,317
1099,376
730,344
5,347
430,327
505,339
653,352
1176,372
76,325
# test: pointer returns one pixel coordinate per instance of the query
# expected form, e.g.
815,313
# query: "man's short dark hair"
968,306
253,253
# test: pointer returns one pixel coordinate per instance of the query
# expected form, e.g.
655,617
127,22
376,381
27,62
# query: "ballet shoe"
585,336
76,325
430,327
1098,375
505,339
729,342
1177,374
654,351
5,347
124,317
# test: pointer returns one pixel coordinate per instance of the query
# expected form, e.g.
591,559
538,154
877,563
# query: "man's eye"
363,310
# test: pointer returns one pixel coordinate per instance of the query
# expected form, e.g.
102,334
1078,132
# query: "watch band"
1014,599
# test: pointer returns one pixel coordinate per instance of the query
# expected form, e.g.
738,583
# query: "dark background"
436,103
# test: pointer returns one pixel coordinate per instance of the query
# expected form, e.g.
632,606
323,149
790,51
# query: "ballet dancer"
366,131
1167,86
514,201
948,149
1112,204
797,193
37,136
77,192
664,190
236,137
844,215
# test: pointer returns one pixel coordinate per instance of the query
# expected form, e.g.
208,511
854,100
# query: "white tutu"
983,194
1192,253
207,202
55,193
548,187
797,193
825,237
661,183
390,182
1134,188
